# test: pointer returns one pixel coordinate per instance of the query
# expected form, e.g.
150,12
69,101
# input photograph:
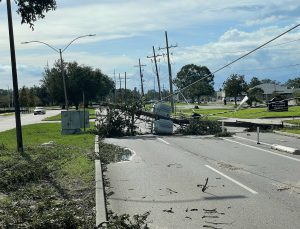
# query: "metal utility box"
163,126
73,121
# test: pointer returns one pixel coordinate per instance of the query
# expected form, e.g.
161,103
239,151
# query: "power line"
236,60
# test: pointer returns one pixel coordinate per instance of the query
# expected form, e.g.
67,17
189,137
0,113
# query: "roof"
270,88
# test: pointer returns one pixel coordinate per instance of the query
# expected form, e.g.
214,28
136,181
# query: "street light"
60,51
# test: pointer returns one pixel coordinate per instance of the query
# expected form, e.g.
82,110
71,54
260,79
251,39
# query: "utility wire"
232,62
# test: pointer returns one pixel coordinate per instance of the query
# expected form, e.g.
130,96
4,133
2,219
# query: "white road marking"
267,151
263,143
232,180
162,140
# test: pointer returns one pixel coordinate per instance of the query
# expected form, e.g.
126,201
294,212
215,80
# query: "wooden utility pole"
120,88
15,79
115,96
125,88
156,69
169,67
141,75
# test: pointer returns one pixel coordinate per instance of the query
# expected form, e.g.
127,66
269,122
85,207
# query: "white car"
39,110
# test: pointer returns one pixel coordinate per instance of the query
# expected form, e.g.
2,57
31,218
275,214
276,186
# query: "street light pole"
15,79
60,51
64,80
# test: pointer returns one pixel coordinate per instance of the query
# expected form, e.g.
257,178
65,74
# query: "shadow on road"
181,201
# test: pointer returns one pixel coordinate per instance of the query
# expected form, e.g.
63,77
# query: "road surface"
249,185
8,122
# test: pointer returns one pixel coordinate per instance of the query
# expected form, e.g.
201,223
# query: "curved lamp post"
60,51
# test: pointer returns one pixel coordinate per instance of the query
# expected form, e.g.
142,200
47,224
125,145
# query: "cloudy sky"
210,33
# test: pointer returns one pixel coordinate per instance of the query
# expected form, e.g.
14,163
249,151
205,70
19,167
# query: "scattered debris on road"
176,165
168,210
205,186
171,191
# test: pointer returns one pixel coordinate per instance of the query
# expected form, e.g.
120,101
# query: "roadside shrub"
124,221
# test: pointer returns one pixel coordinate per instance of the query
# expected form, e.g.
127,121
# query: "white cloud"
123,19
263,21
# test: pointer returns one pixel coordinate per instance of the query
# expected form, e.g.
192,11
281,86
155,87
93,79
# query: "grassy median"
248,113
50,185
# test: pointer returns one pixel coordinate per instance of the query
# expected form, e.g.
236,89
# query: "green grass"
291,130
246,113
7,114
294,121
40,133
58,116
47,187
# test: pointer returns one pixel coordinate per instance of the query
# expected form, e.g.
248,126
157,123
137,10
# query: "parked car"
39,110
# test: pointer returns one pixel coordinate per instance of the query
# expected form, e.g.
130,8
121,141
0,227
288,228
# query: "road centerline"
232,180
264,150
162,140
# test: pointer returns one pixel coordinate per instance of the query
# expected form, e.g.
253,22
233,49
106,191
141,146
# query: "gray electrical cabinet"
73,121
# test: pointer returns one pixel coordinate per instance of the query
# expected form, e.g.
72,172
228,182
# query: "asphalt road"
249,185
8,122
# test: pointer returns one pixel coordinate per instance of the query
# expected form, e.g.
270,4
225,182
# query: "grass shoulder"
50,186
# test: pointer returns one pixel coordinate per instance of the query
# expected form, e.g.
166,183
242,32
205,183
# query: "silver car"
39,110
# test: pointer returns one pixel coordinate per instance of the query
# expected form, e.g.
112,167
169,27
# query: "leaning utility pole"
15,79
157,74
141,75
169,67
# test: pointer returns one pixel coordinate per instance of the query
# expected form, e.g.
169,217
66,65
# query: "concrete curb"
101,213
285,149
287,134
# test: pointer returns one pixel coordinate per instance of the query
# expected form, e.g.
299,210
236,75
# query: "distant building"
220,95
269,89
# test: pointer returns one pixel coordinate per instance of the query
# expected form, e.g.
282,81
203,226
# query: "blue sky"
210,33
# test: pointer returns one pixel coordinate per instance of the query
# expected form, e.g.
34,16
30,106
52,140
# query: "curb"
101,212
287,134
285,149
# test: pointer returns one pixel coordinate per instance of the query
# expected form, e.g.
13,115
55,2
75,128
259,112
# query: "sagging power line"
232,62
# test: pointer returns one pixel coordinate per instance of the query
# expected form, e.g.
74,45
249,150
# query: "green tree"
79,79
24,97
191,73
234,86
255,95
52,81
293,83
31,10
269,81
254,82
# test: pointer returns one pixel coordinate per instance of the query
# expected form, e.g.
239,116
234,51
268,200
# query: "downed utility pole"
141,75
169,67
157,74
